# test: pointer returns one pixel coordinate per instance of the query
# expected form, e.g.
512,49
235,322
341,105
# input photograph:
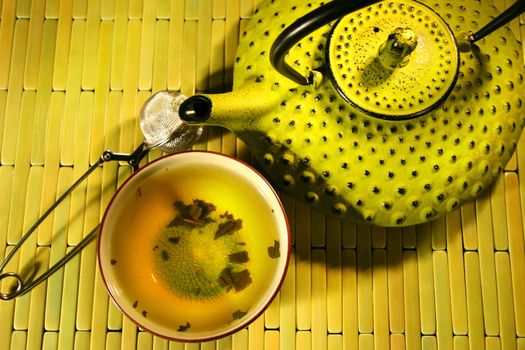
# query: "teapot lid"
393,60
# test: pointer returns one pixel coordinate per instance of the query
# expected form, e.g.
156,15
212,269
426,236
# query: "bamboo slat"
51,164
219,9
63,48
456,274
303,268
304,340
468,226
365,308
505,301
18,339
348,235
349,291
163,9
499,215
35,327
411,300
118,51
68,309
444,328
102,80
14,95
81,340
160,59
81,161
516,249
487,268
271,340
3,98
380,299
317,229
21,172
409,237
89,66
147,46
474,302
107,11
255,334
240,339
58,248
71,70
7,308
426,281
335,341
203,50
44,92
378,239
272,314
135,9
394,251
50,341
7,27
397,341
333,276
287,307
34,43
27,262
319,318
80,9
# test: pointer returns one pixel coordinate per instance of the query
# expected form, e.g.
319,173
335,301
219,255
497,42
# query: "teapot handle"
506,16
304,26
339,8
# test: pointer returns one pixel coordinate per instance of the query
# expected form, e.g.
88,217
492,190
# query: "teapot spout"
233,110
196,109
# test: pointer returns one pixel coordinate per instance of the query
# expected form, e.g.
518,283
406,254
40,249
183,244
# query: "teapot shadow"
370,242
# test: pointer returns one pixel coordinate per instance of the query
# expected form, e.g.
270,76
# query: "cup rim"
265,303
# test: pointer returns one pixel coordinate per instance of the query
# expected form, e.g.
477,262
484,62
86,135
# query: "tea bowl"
194,246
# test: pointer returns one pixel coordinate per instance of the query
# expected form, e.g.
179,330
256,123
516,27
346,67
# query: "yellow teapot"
392,113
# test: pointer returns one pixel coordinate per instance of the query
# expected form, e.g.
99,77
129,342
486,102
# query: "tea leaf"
226,215
135,304
145,313
234,280
237,315
113,261
274,251
207,208
239,257
228,227
195,211
174,240
183,328
165,255
195,214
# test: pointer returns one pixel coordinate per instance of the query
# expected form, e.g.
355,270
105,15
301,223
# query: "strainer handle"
304,26
21,287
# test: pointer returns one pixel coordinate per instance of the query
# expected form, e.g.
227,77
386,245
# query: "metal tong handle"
302,27
21,288
506,16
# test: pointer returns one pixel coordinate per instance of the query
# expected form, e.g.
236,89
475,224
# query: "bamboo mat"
73,77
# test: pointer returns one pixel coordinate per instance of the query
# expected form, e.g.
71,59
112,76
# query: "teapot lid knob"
393,60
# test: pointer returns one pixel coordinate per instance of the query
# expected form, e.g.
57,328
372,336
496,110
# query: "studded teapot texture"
323,150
